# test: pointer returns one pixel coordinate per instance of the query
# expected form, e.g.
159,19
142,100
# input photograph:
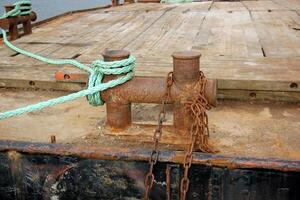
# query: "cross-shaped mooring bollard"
186,66
11,23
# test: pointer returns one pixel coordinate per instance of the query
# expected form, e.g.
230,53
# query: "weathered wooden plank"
52,32
251,95
263,5
120,37
268,69
290,4
75,39
148,40
228,34
141,7
233,42
278,39
176,38
261,74
228,6
97,35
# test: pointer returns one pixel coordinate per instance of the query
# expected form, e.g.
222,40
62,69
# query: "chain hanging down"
149,179
196,106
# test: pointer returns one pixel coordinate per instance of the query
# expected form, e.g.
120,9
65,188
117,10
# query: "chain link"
149,179
196,107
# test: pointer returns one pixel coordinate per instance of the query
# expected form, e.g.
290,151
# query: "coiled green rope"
21,8
97,70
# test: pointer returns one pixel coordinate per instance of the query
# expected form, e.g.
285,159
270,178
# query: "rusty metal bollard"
11,23
118,110
186,67
115,2
152,89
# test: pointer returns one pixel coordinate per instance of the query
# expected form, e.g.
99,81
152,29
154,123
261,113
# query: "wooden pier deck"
251,47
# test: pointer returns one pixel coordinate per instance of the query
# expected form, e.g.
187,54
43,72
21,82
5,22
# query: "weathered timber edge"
131,154
223,93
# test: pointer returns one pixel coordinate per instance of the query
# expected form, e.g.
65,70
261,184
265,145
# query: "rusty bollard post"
185,75
27,25
13,26
119,114
186,67
115,2
53,139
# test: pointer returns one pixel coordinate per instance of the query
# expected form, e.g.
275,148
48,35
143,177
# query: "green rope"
97,70
21,8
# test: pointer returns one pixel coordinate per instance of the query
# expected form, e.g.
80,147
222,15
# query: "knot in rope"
21,8
101,68
97,70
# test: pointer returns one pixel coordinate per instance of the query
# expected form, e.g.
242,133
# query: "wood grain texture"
247,45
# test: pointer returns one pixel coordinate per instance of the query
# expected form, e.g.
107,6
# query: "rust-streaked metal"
11,23
189,85
168,182
152,90
142,154
118,112
195,106
53,139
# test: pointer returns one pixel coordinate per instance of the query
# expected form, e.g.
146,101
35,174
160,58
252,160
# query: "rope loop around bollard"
97,71
20,8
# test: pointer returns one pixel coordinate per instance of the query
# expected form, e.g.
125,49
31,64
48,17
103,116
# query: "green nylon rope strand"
97,70
64,99
43,59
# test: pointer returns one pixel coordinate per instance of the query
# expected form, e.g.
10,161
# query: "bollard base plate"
143,133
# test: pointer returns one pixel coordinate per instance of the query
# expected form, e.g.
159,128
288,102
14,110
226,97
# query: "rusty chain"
195,107
149,179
